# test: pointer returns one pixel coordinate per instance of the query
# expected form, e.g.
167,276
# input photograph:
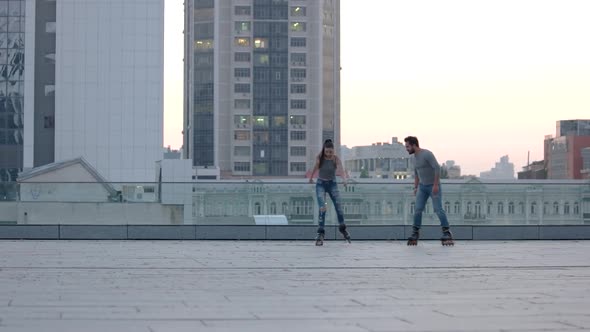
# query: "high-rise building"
563,154
573,128
262,85
91,73
12,78
503,170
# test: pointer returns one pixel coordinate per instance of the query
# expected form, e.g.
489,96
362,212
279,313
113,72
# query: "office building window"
298,151
260,43
298,135
298,42
242,104
298,88
298,74
242,10
242,41
261,121
241,88
297,119
297,11
297,167
241,72
242,135
242,57
242,121
298,59
298,26
243,27
242,151
298,104
242,166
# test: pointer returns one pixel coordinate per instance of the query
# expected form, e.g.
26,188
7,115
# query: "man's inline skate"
413,239
447,237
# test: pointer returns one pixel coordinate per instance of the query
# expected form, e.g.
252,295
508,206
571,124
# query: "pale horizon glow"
473,80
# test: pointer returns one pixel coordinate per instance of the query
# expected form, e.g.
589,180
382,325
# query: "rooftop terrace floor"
156,286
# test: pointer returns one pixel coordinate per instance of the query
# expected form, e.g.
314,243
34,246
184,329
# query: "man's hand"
310,180
435,189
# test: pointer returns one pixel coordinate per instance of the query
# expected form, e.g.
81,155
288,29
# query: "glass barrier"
470,202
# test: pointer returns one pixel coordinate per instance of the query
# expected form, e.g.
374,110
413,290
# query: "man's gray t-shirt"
426,166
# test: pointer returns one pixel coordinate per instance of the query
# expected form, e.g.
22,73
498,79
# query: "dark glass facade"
203,88
12,66
271,88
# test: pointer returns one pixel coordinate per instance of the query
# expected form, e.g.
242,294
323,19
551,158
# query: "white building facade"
95,87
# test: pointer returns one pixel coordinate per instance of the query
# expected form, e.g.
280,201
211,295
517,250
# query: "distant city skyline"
474,80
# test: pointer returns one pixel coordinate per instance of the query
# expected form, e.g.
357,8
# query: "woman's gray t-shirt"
328,170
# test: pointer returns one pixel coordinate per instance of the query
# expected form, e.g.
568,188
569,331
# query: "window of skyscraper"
298,167
242,88
203,44
298,59
279,121
242,104
242,26
298,26
242,151
261,59
242,121
298,42
242,166
297,119
241,72
242,10
297,11
297,151
260,42
298,104
242,57
298,88
298,135
297,74
242,135
242,41
261,122
50,27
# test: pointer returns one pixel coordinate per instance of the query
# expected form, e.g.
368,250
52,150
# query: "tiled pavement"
156,286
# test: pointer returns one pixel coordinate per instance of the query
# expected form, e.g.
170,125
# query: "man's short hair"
413,140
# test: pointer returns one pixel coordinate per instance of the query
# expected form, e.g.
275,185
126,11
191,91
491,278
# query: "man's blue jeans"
424,191
331,188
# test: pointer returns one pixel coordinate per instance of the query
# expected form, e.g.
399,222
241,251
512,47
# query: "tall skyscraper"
262,85
12,77
92,81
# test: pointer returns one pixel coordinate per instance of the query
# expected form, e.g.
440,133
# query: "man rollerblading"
426,185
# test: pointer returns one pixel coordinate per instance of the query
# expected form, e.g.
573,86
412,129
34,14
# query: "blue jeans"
331,188
424,191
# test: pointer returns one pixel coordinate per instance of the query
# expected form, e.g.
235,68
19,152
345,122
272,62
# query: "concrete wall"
99,213
8,211
270,232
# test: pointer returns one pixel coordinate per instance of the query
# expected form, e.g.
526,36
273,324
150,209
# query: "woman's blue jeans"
329,187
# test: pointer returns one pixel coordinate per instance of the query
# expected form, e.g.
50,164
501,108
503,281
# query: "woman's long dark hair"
327,144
